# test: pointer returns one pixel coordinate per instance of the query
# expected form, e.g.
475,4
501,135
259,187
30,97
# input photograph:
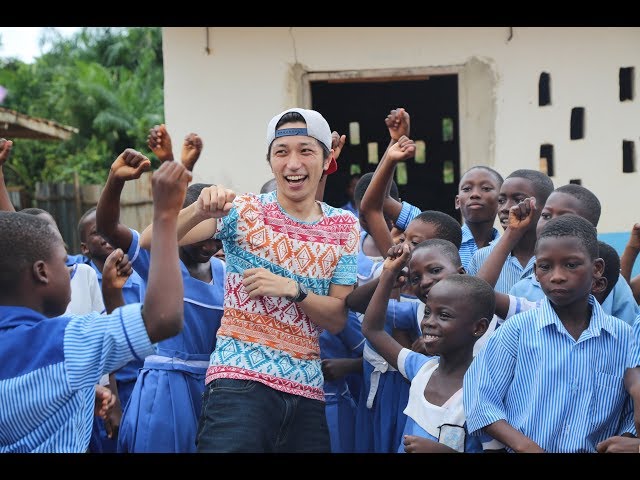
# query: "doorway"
428,181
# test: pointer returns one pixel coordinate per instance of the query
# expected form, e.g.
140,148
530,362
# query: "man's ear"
40,272
457,203
535,275
461,270
84,250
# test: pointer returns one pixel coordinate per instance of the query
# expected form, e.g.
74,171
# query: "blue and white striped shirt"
468,247
563,394
407,213
511,273
50,369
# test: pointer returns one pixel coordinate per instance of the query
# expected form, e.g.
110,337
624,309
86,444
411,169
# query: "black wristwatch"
301,295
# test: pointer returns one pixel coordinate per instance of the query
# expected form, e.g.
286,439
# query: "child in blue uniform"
164,407
551,379
49,391
457,313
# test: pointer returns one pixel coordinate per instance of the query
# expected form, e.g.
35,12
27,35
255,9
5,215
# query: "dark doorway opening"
433,106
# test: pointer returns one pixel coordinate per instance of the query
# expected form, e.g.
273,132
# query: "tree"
106,81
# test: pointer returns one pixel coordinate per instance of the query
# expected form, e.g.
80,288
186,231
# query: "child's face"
448,322
512,192
565,270
200,252
557,204
58,289
477,196
426,268
418,231
297,163
95,245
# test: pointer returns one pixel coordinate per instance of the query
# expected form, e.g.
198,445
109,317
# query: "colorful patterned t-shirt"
270,339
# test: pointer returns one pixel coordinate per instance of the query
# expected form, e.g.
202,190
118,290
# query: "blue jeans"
248,416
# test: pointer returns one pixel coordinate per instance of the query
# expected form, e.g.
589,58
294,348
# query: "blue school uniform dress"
444,423
50,369
564,394
162,413
340,405
380,417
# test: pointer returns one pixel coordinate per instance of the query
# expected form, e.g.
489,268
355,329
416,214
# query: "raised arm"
129,165
117,269
163,308
371,206
159,141
198,221
630,253
398,123
191,150
376,313
520,217
5,152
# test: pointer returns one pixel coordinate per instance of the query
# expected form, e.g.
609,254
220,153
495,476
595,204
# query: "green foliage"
106,81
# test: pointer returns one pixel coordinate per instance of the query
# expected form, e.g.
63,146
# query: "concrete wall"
250,74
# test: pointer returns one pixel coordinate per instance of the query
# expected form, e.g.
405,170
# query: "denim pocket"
231,385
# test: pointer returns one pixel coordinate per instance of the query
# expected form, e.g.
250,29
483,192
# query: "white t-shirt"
86,294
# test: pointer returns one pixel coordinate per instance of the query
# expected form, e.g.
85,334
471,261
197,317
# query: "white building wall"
229,95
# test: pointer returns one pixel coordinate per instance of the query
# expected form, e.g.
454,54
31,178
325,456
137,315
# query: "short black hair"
590,204
24,239
363,184
611,265
81,222
498,178
193,192
542,184
478,293
296,117
447,227
572,226
34,211
447,248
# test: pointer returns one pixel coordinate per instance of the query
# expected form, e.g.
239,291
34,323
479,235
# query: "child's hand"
397,258
520,215
169,186
398,123
215,201
159,142
401,150
130,165
634,239
105,400
191,149
337,143
415,444
117,269
334,368
5,150
619,444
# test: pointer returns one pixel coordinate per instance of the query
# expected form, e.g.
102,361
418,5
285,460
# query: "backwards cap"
317,127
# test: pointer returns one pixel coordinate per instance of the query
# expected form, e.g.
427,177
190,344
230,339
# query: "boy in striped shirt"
551,379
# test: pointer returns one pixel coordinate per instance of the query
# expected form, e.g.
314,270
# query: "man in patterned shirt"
291,261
